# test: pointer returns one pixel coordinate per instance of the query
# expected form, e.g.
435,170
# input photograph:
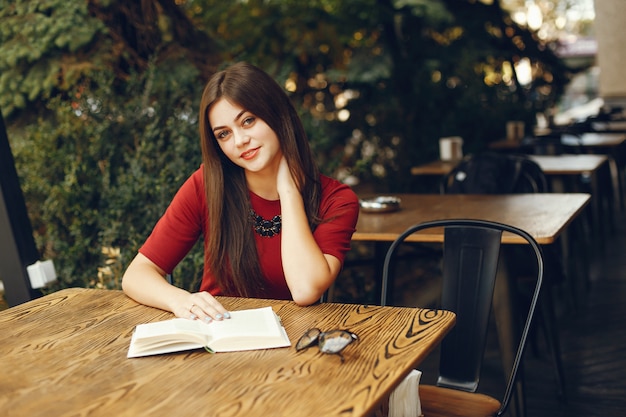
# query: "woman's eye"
221,134
248,121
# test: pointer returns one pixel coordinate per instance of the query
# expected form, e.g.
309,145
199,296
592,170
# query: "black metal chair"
495,173
470,260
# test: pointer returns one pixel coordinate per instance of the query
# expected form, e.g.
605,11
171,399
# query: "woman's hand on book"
202,306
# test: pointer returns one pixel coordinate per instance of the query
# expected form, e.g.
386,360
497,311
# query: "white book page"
173,328
247,323
168,336
247,330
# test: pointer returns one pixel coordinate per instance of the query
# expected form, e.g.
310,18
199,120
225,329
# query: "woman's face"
244,138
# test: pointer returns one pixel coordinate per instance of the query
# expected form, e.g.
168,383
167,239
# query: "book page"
248,329
247,322
196,330
168,336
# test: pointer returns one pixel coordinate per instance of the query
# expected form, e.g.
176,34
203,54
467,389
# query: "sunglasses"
332,342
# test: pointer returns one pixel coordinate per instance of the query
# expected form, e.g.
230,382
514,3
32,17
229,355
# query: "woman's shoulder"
339,202
192,188
334,188
329,183
196,179
197,175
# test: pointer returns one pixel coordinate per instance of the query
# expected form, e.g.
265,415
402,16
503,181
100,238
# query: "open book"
258,328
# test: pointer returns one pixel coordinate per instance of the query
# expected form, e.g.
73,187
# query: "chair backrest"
498,173
495,173
470,260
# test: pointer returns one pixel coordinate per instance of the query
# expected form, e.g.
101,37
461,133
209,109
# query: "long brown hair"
232,257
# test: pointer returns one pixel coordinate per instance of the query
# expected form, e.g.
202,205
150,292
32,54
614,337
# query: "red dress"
184,222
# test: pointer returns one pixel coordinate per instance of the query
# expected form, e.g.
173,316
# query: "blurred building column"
610,28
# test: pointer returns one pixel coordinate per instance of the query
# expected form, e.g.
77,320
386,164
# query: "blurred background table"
613,145
567,173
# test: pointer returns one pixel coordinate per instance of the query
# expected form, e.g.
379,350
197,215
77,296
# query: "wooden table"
579,173
566,164
609,126
588,140
436,168
550,164
65,355
591,140
543,215
611,144
523,145
564,173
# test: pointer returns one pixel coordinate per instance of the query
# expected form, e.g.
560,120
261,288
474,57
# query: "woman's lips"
247,155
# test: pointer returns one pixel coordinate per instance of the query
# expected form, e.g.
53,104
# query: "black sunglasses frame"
331,342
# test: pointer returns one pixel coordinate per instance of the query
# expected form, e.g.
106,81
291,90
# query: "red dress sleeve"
179,228
339,210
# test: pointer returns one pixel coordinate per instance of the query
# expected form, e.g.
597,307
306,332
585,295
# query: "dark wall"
17,246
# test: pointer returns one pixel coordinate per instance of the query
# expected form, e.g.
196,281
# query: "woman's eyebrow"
240,114
235,119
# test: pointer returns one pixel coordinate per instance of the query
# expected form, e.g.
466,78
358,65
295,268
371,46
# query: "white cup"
451,148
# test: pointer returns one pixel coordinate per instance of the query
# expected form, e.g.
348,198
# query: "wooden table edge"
432,237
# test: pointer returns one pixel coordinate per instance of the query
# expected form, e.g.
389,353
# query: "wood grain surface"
542,215
65,355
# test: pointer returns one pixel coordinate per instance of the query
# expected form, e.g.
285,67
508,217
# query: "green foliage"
102,171
35,37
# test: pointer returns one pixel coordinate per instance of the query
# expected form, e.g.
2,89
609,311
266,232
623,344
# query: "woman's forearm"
308,271
144,282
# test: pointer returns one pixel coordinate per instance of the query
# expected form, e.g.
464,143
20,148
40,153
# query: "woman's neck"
262,185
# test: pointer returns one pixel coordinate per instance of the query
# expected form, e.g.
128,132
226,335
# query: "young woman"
273,226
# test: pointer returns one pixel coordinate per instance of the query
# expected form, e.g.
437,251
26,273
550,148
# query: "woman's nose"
241,139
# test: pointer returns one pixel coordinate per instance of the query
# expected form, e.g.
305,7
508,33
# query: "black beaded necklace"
264,227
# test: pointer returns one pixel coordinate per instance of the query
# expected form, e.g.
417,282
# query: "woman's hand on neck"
285,183
270,184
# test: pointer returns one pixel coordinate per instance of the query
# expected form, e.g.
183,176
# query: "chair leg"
380,249
518,405
507,328
546,313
